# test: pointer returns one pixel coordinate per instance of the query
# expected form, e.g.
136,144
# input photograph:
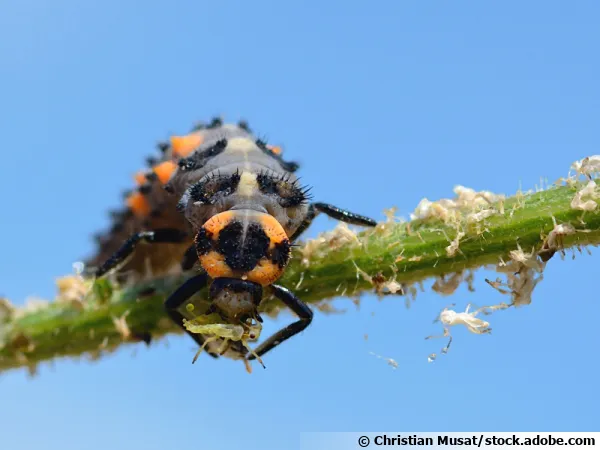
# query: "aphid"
228,205
449,318
211,326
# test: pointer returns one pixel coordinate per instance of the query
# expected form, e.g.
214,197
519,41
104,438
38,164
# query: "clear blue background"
383,103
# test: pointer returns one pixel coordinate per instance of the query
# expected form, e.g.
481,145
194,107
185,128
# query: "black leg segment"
165,235
189,258
299,308
179,297
335,213
344,215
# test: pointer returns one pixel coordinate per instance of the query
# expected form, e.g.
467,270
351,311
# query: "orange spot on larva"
216,223
164,171
265,273
273,229
138,204
184,145
275,149
140,178
215,265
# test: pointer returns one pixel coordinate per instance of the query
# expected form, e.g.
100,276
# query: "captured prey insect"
227,204
212,328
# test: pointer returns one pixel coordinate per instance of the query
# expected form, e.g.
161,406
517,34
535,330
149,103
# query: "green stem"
389,258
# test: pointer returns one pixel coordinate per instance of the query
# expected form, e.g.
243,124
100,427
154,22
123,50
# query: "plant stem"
390,257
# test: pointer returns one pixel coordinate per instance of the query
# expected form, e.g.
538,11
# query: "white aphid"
453,247
466,200
555,237
529,260
588,191
450,318
587,166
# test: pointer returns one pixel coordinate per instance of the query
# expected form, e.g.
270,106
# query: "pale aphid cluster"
587,166
384,286
73,288
339,237
448,284
521,280
467,201
468,208
391,219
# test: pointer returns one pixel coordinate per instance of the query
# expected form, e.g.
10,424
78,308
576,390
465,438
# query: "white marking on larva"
248,185
243,145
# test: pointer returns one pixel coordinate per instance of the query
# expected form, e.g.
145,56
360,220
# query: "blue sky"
383,105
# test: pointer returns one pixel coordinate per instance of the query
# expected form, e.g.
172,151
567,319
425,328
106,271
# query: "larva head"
243,244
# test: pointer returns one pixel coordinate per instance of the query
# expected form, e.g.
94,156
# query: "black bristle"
145,188
115,214
120,215
289,166
187,164
288,193
215,188
163,146
215,123
199,126
221,144
198,159
116,228
244,126
151,177
280,254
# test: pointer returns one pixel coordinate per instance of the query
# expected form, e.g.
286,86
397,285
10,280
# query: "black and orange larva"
223,199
